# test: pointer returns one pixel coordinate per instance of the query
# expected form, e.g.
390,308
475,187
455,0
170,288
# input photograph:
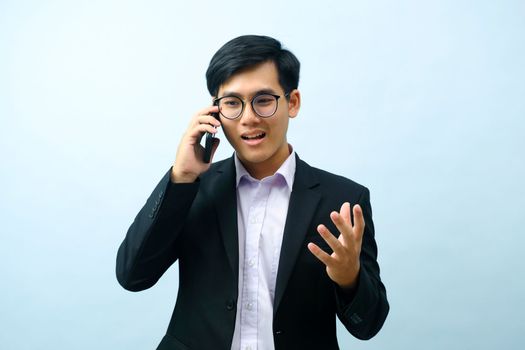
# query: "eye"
264,100
230,102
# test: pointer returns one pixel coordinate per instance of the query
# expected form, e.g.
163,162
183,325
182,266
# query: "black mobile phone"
208,143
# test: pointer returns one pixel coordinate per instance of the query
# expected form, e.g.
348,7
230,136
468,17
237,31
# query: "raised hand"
188,162
343,264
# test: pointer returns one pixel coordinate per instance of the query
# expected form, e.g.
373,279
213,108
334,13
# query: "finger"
202,128
205,112
208,110
330,239
359,222
320,254
345,213
342,226
208,119
198,131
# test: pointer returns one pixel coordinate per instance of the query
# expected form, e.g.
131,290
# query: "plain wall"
421,101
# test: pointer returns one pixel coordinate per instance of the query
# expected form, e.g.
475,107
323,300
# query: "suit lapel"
303,203
224,196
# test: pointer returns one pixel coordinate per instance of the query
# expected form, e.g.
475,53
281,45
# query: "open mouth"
254,137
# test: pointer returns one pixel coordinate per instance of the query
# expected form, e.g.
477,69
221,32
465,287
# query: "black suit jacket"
197,224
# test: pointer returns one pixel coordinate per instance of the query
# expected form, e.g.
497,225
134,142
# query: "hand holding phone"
189,162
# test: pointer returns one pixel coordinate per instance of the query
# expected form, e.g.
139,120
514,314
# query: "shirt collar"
286,170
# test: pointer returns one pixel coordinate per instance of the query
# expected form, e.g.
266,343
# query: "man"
269,248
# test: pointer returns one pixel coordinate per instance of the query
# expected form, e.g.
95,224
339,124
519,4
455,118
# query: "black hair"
247,51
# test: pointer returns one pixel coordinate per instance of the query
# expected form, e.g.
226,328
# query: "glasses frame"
243,104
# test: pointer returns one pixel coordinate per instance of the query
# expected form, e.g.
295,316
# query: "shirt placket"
249,317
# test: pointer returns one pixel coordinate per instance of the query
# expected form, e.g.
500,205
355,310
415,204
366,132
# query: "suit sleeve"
150,245
364,312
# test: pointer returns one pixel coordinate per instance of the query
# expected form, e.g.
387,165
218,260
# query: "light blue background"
421,101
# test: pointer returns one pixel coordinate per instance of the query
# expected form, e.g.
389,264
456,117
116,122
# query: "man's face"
260,143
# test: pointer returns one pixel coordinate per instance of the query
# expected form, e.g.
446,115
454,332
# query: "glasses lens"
230,107
265,105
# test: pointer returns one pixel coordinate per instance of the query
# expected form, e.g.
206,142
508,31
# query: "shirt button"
249,306
251,262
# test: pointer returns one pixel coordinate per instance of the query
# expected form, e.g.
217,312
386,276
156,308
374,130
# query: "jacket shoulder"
334,180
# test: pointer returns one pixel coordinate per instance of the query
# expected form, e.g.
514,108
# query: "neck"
268,167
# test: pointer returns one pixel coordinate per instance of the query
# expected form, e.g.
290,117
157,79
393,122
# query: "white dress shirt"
262,206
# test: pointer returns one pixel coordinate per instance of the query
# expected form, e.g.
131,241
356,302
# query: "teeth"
258,136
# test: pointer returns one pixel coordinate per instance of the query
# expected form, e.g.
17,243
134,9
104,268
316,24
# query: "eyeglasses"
264,105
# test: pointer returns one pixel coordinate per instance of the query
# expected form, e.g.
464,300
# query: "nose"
249,116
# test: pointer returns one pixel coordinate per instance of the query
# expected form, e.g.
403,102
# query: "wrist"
350,285
182,177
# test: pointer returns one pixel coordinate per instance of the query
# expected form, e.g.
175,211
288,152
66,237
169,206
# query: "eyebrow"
258,92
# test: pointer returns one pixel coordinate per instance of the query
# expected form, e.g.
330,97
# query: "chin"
253,157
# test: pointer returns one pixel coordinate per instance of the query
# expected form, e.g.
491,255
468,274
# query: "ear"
294,104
